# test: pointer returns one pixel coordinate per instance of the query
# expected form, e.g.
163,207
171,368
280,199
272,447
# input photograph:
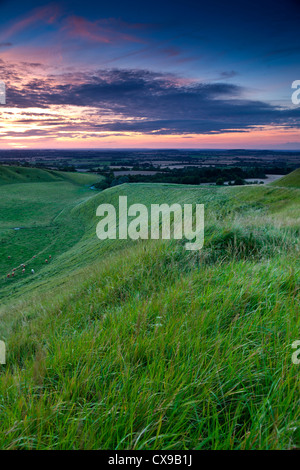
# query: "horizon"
120,149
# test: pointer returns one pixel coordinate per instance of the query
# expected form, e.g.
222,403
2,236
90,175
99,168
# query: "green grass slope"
34,218
144,345
292,180
16,174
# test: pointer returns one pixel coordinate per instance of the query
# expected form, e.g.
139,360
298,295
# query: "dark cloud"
228,74
151,102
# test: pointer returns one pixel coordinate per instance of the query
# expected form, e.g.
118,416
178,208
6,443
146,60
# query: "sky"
157,74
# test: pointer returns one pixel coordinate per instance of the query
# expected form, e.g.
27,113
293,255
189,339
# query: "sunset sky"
159,74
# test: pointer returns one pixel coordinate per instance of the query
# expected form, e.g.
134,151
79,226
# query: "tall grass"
154,347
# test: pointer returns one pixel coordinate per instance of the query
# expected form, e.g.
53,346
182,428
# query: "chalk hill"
142,344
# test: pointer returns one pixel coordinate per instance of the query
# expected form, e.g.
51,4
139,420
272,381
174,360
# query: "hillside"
142,344
34,218
16,174
292,180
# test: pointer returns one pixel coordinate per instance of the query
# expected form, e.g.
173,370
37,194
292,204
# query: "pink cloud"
104,31
171,51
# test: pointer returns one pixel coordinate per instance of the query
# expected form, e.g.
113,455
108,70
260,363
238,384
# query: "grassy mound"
16,174
292,180
145,345
35,219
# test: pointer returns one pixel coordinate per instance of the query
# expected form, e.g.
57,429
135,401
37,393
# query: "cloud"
281,53
108,30
228,74
48,14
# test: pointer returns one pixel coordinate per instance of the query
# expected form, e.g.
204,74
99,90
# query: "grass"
143,345
290,181
35,219
15,174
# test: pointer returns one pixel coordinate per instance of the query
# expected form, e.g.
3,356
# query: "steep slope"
292,180
35,219
233,213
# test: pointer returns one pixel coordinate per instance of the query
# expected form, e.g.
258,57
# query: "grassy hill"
16,174
142,344
291,180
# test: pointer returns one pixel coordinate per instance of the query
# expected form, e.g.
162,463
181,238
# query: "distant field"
92,159
142,344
